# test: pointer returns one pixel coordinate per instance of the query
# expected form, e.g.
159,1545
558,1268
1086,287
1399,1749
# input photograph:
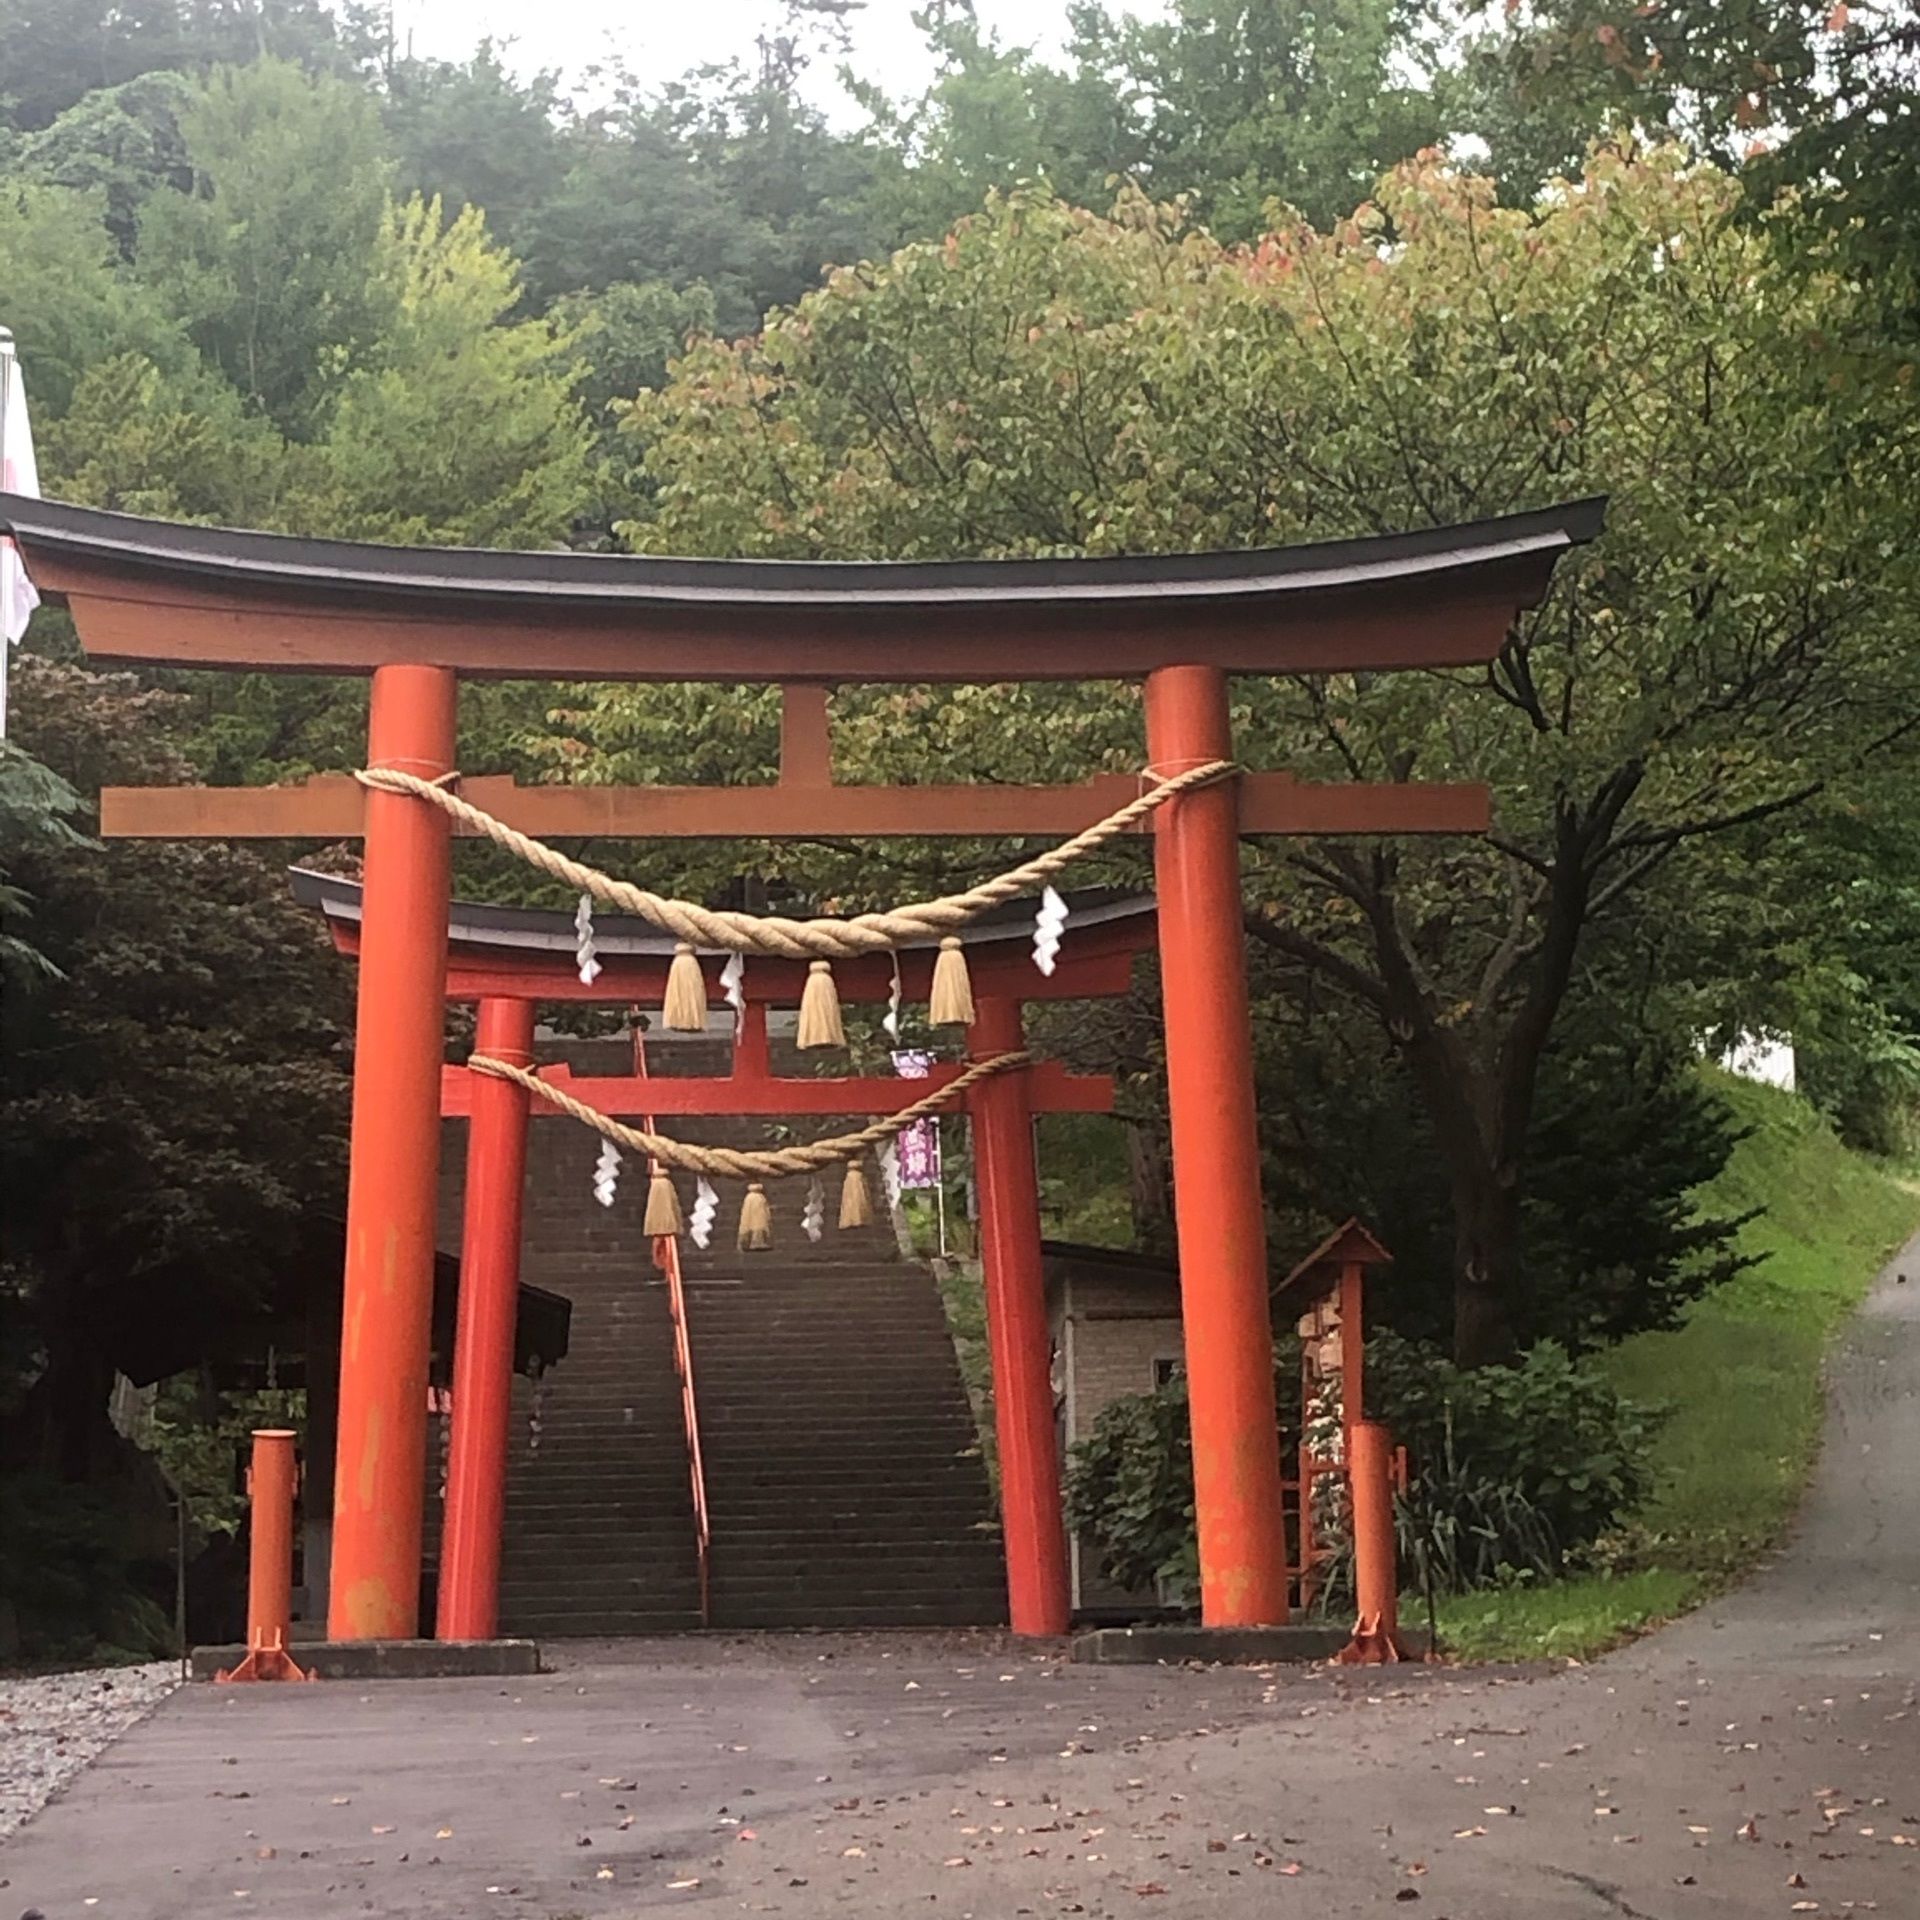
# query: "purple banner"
919,1147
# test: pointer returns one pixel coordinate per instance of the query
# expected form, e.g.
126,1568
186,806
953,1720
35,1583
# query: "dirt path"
1761,1758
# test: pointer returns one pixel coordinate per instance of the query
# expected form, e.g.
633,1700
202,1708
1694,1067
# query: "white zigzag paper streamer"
1048,926
606,1173
706,1209
583,948
732,977
813,1216
889,1158
891,1018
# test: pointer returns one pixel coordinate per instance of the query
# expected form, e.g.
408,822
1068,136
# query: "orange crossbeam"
331,807
1052,1089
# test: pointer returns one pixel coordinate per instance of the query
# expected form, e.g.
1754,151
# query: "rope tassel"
685,1007
756,1220
820,1024
856,1203
664,1217
951,1004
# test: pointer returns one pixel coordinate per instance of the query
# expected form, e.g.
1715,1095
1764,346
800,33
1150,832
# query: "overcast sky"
668,36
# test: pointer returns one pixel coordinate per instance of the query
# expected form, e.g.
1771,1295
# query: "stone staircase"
845,1485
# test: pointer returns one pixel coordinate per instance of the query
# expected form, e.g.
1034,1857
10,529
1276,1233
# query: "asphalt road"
1761,1758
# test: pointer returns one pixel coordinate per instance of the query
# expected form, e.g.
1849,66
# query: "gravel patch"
54,1724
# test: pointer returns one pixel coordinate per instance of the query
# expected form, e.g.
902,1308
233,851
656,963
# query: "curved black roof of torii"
192,595
190,552
484,925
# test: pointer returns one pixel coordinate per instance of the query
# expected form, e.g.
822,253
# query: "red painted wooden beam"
331,807
1052,1089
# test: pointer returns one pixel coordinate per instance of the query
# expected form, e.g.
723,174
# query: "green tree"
59,51
1229,105
461,428
176,446
627,335
267,259
36,811
122,142
174,1091
68,303
1048,381
1819,97
474,136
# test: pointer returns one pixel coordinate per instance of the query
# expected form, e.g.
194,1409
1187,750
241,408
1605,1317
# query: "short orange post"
270,1486
1376,1578
1219,1215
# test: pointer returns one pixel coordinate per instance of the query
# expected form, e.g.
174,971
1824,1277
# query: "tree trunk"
1149,1184
1486,1266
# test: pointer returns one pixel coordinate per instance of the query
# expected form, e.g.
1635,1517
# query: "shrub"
1130,1490
1516,1470
73,1587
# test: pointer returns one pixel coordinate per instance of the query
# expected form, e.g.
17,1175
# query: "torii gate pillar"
1038,1595
393,1170
469,1602
1218,1211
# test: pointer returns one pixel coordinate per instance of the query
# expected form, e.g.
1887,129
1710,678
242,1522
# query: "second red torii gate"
509,960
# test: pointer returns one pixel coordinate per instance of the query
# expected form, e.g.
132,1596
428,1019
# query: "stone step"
845,1482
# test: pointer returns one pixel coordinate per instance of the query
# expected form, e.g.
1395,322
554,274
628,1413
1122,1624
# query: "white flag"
18,474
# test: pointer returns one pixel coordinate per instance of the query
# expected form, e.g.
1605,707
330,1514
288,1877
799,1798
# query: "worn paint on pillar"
393,1170
469,1601
1034,1529
1219,1213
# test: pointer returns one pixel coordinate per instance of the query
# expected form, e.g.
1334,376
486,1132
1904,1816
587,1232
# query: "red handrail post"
1038,1595
1376,1579
690,1417
271,1480
1219,1212
469,1602
666,1256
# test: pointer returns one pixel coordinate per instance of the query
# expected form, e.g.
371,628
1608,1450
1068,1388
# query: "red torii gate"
417,620
492,965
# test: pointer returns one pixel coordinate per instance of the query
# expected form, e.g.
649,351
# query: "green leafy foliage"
1129,1490
74,1585
176,1095
37,808
266,259
1514,1470
1047,381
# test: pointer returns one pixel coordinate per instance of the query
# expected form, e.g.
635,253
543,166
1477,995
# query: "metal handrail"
666,1256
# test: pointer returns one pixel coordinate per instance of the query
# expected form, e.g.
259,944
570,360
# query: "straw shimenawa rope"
824,939
775,1163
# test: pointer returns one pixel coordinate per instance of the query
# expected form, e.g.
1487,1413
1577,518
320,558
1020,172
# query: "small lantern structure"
1341,1449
